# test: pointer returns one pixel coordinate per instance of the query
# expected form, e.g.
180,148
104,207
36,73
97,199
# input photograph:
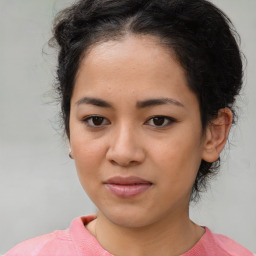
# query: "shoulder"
43,245
230,246
226,245
75,240
212,244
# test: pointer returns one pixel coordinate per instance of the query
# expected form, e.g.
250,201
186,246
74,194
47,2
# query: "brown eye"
160,121
95,121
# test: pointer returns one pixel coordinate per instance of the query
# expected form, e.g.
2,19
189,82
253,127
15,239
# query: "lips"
127,187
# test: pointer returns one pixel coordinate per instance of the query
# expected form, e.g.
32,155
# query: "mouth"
127,187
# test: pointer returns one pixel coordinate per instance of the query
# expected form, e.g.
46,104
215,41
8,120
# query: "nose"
125,147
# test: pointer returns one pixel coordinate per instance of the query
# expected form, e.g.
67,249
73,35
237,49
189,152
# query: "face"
135,131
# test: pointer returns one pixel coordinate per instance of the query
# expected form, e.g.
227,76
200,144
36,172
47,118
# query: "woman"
147,90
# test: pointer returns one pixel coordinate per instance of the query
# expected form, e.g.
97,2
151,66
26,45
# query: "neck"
170,236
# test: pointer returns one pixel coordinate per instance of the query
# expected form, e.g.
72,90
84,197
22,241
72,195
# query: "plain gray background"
39,189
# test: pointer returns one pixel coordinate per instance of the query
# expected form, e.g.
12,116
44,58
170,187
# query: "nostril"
113,162
124,163
127,155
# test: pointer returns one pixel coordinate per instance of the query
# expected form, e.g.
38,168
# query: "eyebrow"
140,104
157,102
94,101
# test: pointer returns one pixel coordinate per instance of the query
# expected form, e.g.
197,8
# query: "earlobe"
70,152
216,135
70,155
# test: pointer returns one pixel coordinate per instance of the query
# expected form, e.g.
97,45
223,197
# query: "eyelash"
89,119
167,121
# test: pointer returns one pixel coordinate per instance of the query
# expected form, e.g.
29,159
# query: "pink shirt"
77,241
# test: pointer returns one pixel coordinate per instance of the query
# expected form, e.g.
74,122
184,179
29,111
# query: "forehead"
141,55
134,64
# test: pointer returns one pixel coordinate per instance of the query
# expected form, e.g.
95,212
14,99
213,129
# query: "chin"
127,218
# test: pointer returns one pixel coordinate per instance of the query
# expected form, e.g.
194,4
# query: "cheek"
88,155
178,148
177,172
179,157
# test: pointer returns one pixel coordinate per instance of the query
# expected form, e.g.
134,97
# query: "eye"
160,121
96,121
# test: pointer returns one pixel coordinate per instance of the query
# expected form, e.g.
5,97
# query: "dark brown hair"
201,36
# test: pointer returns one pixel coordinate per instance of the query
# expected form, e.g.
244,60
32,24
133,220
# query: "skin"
127,141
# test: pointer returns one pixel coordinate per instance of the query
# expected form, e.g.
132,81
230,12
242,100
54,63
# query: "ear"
70,151
216,135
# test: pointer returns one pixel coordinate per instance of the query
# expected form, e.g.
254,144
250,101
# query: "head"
199,36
